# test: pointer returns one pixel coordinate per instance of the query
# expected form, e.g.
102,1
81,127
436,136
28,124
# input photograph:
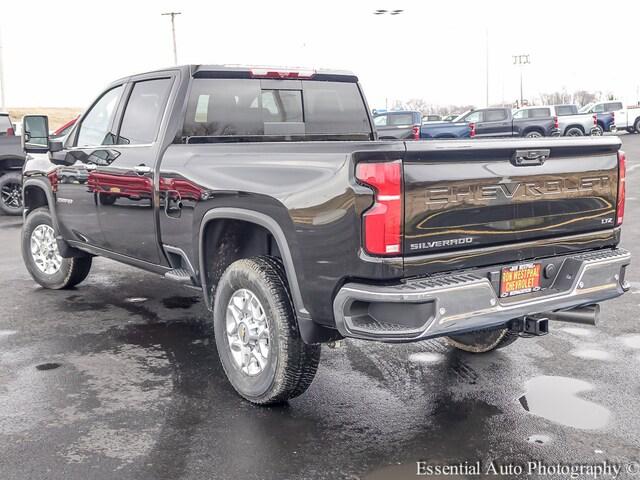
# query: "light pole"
173,33
521,60
384,12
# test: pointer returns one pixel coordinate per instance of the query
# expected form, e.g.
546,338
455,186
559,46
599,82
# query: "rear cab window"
539,113
495,115
564,110
239,109
401,119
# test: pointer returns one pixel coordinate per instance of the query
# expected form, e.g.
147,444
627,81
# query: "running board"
178,275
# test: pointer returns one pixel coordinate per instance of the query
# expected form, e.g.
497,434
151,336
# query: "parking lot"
119,378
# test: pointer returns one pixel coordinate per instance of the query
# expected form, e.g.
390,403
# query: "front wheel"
11,194
42,258
482,341
257,334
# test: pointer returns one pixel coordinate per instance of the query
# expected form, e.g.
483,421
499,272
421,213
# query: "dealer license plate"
520,279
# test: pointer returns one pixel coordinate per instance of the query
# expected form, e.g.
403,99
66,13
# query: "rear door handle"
142,169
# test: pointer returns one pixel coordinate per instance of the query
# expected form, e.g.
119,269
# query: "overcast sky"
63,53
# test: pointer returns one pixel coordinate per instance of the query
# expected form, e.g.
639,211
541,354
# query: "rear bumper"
451,304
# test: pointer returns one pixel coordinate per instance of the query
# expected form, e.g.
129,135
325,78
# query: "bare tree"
582,97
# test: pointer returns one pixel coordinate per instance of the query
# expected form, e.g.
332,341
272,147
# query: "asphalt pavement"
119,378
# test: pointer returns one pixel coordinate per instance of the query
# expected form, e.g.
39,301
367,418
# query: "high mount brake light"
622,187
382,223
281,74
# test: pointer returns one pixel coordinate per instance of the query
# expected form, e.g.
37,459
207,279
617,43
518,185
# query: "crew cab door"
88,145
491,122
123,182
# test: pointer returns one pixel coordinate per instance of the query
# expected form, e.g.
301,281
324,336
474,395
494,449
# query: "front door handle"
142,169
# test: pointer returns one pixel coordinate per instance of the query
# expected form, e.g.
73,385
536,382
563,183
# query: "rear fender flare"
283,246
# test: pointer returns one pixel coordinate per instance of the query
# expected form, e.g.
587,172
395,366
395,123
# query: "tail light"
622,190
472,132
556,122
595,120
10,132
416,132
382,223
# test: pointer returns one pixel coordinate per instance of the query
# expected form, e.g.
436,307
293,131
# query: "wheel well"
34,197
533,129
579,127
227,240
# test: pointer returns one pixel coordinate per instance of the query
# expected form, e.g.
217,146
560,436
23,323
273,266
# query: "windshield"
587,108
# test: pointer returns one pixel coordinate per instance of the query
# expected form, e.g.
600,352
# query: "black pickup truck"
11,161
269,190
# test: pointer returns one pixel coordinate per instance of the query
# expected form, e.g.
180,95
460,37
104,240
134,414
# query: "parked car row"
11,161
536,121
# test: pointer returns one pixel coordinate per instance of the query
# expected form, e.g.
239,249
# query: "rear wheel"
597,131
11,193
534,134
42,258
574,132
257,334
636,125
482,341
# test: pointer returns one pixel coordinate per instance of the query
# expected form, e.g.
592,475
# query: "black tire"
482,341
71,272
107,199
636,125
11,193
291,364
598,131
574,132
533,134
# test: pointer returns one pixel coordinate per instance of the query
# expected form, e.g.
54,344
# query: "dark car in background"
495,122
398,125
11,161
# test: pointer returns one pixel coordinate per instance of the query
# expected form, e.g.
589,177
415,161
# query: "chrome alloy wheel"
44,250
247,332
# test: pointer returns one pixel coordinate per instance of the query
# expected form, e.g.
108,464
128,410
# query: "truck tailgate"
471,194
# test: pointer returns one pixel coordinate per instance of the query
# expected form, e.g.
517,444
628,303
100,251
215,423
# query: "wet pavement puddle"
591,354
48,366
577,331
136,299
539,439
426,357
557,400
180,302
631,341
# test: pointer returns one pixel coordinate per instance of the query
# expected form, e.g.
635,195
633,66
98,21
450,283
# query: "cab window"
143,113
96,127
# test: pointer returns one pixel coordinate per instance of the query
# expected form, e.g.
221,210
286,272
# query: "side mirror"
35,133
